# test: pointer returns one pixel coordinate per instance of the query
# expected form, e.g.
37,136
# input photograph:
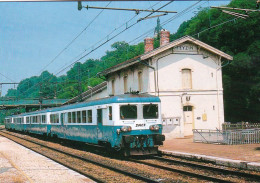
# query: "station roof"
170,45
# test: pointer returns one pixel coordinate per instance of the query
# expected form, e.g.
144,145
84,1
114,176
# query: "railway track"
207,167
57,158
151,169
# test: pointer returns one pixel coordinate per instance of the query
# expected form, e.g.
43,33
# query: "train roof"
125,98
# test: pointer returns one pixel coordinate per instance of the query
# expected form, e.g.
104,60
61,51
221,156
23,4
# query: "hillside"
241,77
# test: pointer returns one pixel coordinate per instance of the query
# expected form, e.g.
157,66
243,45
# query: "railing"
241,125
242,136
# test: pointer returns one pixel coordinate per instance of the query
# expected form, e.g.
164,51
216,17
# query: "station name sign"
185,48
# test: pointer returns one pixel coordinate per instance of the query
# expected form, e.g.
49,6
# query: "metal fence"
230,137
240,125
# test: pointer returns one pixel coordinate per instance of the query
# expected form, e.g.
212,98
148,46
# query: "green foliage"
240,38
241,78
78,78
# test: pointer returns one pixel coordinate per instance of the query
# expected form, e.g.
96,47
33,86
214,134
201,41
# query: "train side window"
34,119
110,113
69,117
38,119
99,115
43,118
73,117
27,120
57,118
84,116
78,116
89,116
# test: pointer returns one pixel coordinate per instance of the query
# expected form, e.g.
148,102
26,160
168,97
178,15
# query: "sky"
32,34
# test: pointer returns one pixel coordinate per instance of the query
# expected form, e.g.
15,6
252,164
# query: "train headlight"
154,127
126,129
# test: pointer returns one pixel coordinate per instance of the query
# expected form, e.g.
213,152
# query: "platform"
19,164
245,156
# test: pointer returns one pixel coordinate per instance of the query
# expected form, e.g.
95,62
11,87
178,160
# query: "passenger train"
130,123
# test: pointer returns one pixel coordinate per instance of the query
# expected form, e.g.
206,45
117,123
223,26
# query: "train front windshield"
146,111
128,112
150,111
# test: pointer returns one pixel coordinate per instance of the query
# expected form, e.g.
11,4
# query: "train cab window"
128,112
99,115
150,111
69,117
78,116
110,113
43,118
73,117
89,116
84,117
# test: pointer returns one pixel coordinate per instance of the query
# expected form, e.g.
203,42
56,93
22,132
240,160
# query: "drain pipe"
154,72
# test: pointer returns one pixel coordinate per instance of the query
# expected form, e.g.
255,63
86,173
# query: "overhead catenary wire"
127,9
78,35
72,41
7,77
165,22
99,46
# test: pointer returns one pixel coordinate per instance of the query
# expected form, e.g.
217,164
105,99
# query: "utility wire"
101,44
7,77
74,38
167,21
70,43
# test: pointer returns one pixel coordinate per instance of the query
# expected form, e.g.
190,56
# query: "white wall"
206,94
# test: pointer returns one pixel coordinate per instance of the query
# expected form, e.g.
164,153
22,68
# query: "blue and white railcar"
131,123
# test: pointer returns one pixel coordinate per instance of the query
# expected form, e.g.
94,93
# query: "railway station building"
187,76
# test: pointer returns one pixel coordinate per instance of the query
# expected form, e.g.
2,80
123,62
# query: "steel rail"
55,160
195,175
221,170
136,176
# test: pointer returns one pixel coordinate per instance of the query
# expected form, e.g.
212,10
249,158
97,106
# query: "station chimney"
148,44
165,37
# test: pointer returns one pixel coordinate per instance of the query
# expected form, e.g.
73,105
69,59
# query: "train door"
99,123
62,127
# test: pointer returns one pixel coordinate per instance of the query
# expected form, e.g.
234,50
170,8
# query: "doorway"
188,120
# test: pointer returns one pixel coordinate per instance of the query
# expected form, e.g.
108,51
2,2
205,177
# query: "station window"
128,112
125,84
113,87
69,117
140,81
150,111
187,108
186,79
78,116
73,117
84,116
110,113
89,116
